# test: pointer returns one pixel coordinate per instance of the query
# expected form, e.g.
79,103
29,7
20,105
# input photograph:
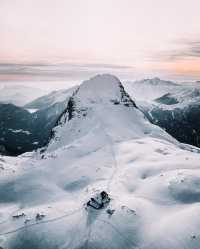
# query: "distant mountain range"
149,89
19,95
173,107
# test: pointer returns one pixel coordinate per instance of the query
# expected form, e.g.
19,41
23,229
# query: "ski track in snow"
111,145
42,222
127,241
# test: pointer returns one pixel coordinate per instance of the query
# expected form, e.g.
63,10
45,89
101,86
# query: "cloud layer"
185,49
60,71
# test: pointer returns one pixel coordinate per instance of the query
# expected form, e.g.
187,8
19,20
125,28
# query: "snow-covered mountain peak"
102,82
150,89
98,109
102,88
153,81
156,82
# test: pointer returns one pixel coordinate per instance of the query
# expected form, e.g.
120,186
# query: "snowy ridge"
183,97
91,105
150,89
55,97
175,108
105,144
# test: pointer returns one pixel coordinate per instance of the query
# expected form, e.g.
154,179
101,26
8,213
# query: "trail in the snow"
42,222
11,214
88,237
110,142
108,188
108,246
109,185
126,240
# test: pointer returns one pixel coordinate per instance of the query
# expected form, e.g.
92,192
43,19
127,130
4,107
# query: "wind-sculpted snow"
149,180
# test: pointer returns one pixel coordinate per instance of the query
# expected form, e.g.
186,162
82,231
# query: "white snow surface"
61,95
54,97
32,110
153,181
186,96
20,131
150,89
146,91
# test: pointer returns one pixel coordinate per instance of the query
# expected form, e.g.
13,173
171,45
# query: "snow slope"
102,142
183,97
150,89
50,99
178,112
174,107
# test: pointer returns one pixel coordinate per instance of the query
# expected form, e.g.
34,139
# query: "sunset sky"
72,39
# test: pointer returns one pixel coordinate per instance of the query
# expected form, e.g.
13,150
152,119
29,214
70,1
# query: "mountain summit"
98,104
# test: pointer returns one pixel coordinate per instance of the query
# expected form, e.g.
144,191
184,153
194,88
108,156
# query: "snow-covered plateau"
108,179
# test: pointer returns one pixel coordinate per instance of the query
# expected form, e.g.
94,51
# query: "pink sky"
150,37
